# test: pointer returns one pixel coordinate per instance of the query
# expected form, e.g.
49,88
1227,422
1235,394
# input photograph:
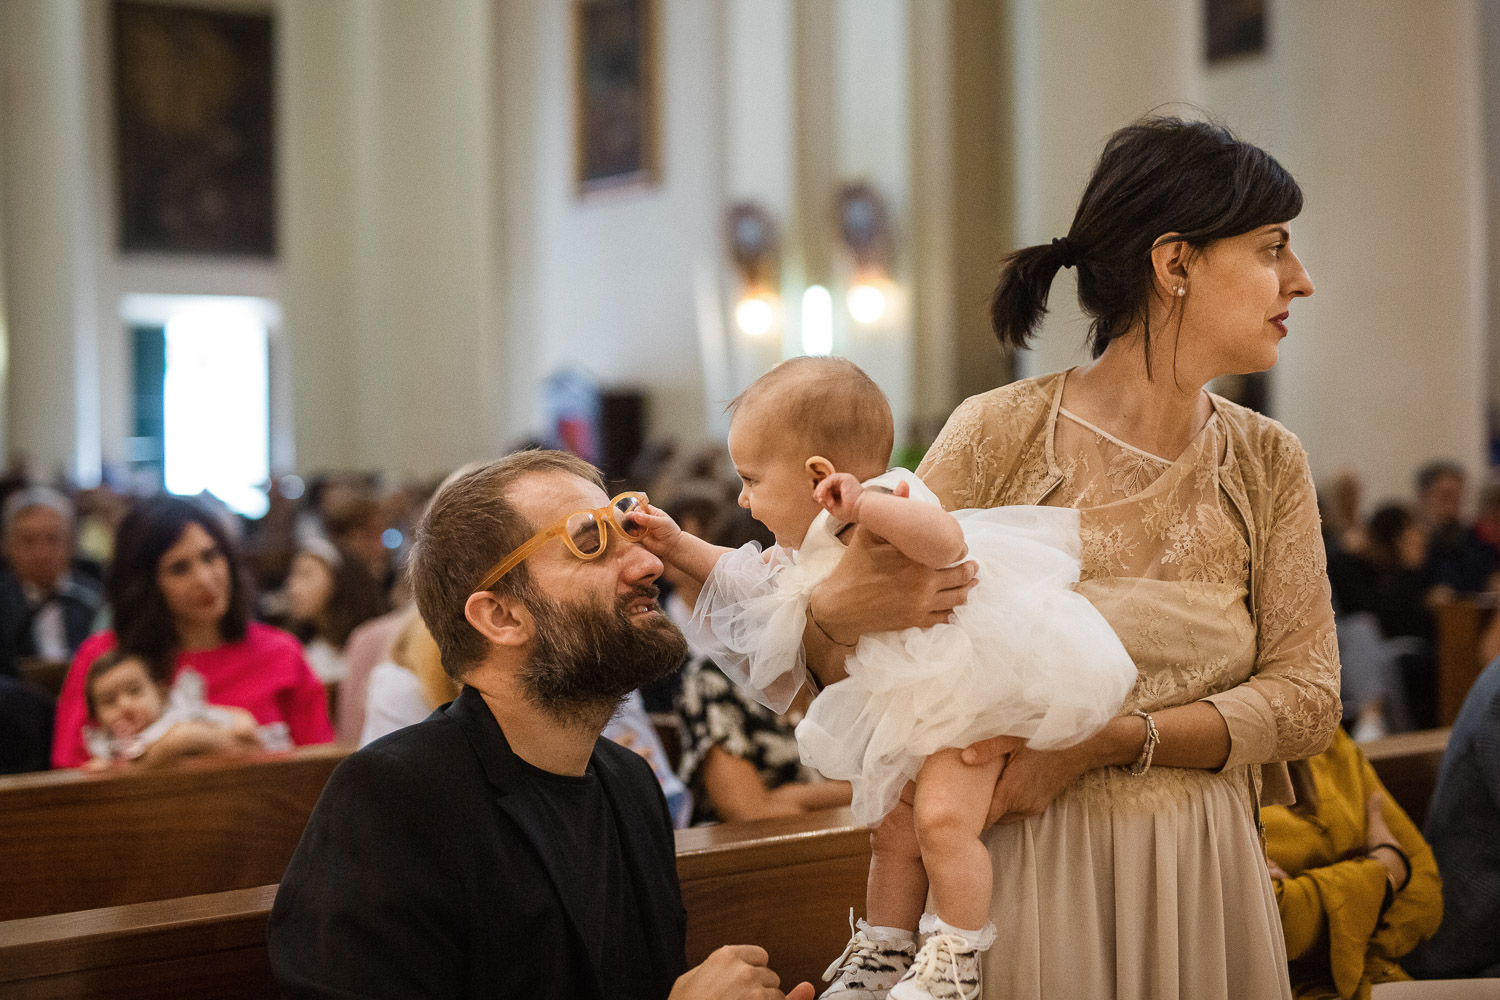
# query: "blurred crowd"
1391,573
125,618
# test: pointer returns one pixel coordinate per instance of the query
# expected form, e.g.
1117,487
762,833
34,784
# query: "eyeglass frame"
603,517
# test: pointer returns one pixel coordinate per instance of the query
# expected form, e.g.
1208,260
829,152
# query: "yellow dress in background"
1338,939
1209,566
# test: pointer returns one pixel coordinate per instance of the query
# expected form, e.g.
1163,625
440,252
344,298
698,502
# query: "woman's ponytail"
1020,299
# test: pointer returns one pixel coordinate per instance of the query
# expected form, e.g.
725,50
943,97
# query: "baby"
1025,657
136,717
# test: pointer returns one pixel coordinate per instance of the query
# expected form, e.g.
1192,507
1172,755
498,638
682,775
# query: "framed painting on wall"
1234,28
617,104
194,127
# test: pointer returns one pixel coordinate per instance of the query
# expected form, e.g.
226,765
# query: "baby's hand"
661,532
839,494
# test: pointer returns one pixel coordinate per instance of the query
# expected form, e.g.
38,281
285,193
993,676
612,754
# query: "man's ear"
819,469
1169,265
502,620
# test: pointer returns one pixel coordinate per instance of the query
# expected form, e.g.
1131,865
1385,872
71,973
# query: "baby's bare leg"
951,802
897,887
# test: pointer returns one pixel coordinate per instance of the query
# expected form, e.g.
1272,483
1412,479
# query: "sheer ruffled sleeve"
750,617
1290,706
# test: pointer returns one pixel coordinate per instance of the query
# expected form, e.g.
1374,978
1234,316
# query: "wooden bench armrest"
113,936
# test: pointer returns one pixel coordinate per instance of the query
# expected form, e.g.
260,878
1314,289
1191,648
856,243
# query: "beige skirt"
1149,888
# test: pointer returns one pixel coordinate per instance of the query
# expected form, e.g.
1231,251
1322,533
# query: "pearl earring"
1181,291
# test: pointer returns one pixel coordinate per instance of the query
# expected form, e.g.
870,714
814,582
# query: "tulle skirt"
1026,656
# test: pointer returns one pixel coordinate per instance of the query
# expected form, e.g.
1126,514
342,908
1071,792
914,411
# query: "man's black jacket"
423,872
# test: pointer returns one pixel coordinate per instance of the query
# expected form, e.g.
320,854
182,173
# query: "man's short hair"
1433,471
833,406
470,525
32,497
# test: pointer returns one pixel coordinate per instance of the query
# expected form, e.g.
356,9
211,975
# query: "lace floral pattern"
1210,568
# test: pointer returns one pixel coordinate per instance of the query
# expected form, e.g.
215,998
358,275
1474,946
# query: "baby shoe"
869,966
946,967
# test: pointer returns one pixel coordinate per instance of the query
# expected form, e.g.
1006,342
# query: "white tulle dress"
1025,656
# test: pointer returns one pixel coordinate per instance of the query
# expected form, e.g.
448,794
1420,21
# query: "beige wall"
1375,108
438,265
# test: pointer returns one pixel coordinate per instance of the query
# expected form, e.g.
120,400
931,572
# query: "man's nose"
638,565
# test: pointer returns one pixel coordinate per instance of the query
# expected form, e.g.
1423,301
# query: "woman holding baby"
1130,865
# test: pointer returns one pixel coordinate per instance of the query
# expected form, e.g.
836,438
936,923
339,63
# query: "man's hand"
736,972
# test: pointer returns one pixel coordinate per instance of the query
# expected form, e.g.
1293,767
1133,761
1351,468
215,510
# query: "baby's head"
123,698
796,424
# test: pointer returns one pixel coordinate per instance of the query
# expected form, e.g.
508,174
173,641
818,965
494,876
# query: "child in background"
135,717
1024,657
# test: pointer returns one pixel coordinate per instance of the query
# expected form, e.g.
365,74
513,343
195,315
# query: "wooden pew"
74,840
785,884
210,947
1460,627
1407,765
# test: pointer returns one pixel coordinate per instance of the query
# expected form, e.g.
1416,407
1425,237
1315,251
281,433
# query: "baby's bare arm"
923,532
665,540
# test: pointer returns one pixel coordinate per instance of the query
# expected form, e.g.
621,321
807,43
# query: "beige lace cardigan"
992,452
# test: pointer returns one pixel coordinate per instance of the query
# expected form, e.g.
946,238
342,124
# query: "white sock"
981,939
898,936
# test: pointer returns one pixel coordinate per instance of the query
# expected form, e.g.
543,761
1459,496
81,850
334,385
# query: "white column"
51,261
392,264
1082,70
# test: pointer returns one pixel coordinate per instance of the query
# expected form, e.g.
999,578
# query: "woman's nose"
1301,282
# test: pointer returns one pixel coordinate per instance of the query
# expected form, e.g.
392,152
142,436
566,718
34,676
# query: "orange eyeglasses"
584,532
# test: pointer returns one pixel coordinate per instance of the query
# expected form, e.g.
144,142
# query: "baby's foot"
870,965
947,967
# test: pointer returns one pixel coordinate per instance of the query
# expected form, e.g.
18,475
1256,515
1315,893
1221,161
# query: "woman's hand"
1378,832
875,588
1032,779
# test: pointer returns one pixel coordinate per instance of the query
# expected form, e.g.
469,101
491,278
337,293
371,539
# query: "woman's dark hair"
354,599
1385,529
143,624
1159,175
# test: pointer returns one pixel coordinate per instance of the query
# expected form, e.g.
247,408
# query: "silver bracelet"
1148,749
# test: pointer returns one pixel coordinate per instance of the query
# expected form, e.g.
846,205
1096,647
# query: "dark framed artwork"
1234,28
617,97
195,128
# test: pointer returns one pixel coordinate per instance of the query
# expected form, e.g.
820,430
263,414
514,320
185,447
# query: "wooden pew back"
1408,765
785,884
73,840
1460,628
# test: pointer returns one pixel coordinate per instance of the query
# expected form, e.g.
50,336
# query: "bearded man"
501,848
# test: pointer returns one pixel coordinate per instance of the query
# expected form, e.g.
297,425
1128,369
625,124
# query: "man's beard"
586,659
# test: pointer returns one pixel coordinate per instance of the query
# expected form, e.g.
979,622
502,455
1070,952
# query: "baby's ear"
819,469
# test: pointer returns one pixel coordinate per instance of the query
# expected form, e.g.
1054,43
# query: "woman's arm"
1290,706
874,588
1193,735
737,792
923,532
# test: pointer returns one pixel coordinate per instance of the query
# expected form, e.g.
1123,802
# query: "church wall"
1375,108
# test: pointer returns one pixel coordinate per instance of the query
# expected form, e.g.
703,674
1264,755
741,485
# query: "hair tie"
1065,253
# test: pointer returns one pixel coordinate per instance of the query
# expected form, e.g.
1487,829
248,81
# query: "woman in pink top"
178,600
